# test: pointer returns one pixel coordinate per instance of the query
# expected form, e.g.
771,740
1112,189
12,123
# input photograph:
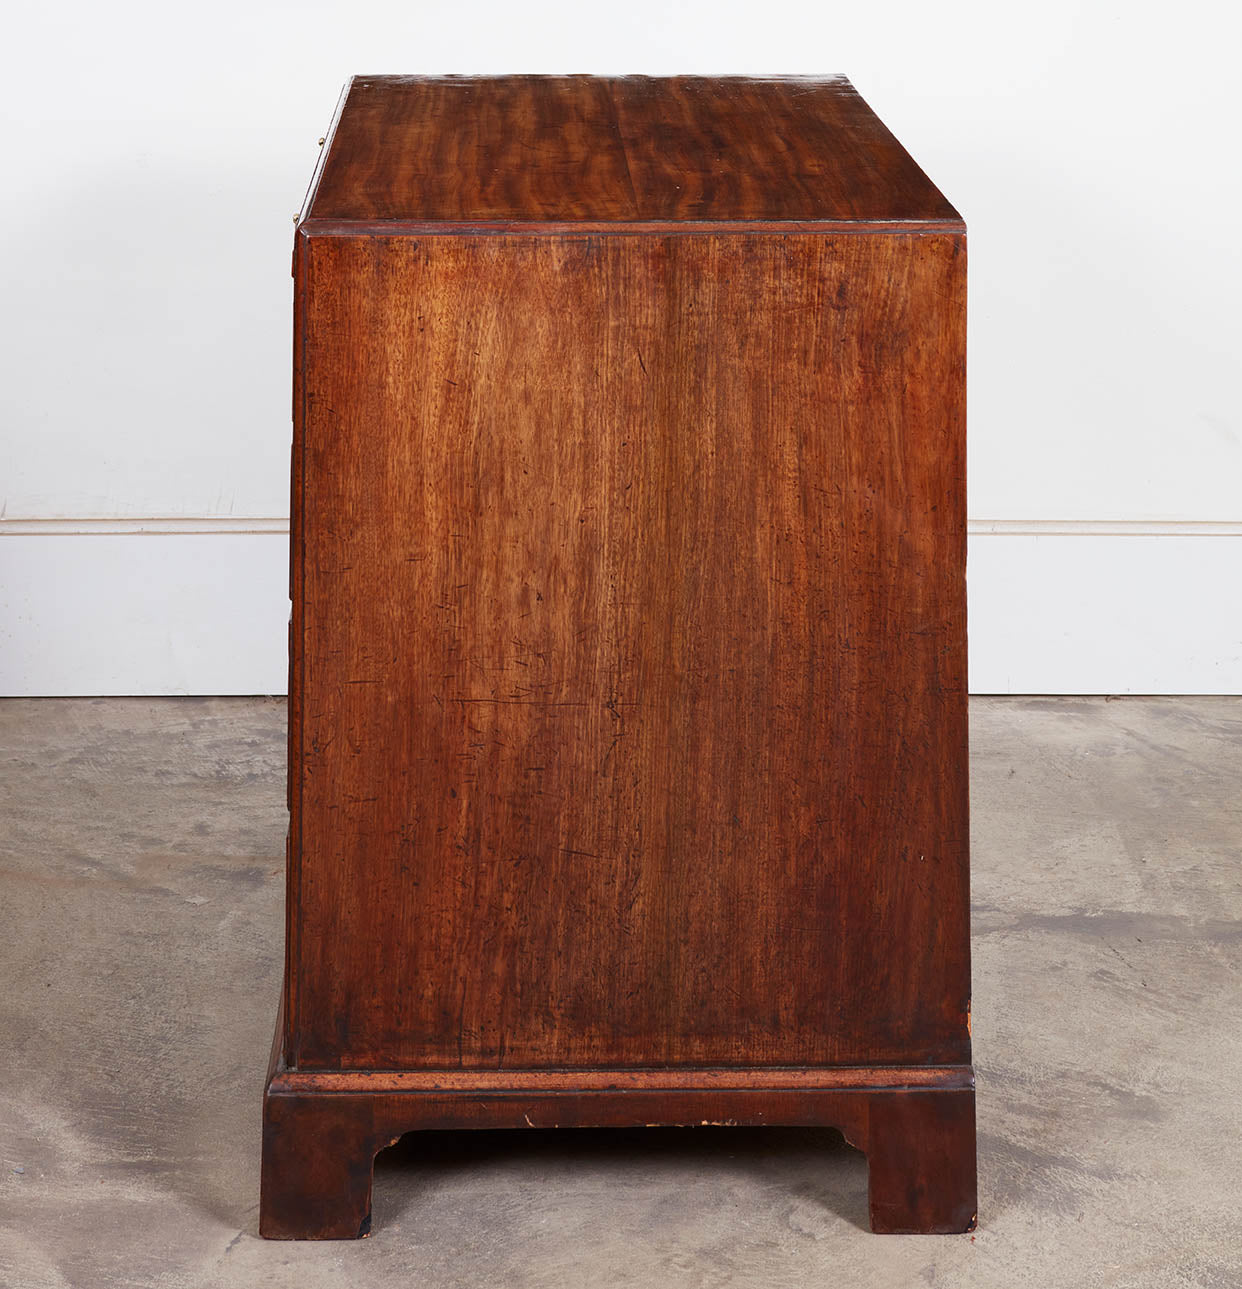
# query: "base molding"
551,1082
323,1128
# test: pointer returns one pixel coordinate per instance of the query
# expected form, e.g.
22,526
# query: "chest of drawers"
627,754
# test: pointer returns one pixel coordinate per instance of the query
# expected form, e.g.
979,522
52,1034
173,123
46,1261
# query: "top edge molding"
316,227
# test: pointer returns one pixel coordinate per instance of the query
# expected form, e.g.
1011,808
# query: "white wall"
155,155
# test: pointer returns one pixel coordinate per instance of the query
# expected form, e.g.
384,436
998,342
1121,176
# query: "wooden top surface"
634,150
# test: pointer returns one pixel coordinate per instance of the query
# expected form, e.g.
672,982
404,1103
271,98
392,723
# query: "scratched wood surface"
633,148
630,651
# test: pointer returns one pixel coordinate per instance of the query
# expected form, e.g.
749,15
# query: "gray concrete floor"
140,945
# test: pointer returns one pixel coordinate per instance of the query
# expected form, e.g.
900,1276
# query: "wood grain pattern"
630,679
628,776
632,148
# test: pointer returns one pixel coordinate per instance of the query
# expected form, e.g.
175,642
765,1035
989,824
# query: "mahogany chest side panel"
630,652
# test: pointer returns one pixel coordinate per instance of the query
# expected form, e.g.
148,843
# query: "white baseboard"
1122,613
198,606
191,613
